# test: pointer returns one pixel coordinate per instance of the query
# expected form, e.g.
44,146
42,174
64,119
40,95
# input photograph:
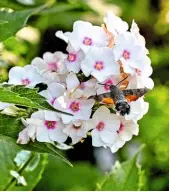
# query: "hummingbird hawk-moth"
121,97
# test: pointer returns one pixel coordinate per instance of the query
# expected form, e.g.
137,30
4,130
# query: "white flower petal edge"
27,75
127,129
115,24
105,128
47,127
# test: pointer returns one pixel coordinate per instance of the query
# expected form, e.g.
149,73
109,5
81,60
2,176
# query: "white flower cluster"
95,55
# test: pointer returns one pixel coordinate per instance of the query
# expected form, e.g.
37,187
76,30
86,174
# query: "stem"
13,180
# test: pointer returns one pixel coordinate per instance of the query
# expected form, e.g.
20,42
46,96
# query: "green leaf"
23,96
14,21
8,151
10,128
127,176
58,177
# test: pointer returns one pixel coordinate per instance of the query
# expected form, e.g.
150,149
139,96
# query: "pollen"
87,41
99,65
25,81
100,126
126,54
74,106
71,57
50,124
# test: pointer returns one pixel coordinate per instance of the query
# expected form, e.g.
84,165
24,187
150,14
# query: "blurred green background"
39,36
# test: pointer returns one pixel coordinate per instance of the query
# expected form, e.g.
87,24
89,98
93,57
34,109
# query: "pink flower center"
25,81
99,65
126,54
53,67
71,57
107,84
82,85
74,106
52,101
138,72
100,126
50,124
87,41
121,128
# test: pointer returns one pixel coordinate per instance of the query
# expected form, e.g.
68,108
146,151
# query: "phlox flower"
115,24
51,62
140,81
53,91
86,89
84,36
63,36
74,59
131,54
27,75
80,90
105,88
27,134
127,128
77,130
80,108
141,40
46,126
105,127
138,108
100,63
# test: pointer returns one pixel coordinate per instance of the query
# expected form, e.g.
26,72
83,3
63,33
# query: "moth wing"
130,98
108,100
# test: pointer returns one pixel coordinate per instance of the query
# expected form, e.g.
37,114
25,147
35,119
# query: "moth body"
121,105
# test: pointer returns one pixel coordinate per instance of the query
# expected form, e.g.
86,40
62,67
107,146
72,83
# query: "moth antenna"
102,83
122,80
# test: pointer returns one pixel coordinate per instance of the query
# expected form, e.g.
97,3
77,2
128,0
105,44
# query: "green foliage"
8,151
13,22
11,126
20,95
57,176
124,177
154,127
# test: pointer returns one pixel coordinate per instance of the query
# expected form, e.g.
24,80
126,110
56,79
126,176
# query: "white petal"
42,134
96,140
56,90
100,111
51,116
72,81
108,137
23,137
57,134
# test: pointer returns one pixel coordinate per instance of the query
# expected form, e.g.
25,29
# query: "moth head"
122,107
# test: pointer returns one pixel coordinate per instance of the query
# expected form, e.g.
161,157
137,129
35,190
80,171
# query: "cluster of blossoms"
95,54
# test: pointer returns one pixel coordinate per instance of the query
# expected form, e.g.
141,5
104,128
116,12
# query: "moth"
121,97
